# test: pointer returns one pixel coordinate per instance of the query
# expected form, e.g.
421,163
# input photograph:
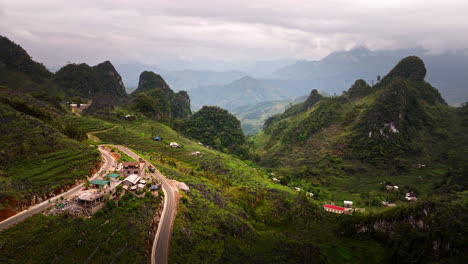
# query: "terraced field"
88,124
47,172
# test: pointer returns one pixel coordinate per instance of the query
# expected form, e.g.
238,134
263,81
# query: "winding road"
160,248
108,161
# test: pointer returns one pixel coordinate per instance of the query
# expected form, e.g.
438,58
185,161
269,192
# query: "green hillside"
253,117
155,99
234,211
42,153
258,210
81,81
397,132
369,134
217,128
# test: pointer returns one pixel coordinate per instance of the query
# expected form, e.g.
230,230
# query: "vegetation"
85,82
426,232
313,98
216,127
234,211
155,99
13,56
118,233
397,132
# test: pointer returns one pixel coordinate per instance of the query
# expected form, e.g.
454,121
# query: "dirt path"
96,139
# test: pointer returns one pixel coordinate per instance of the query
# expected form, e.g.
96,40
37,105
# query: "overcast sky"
152,31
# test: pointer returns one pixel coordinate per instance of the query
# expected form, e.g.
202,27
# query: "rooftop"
113,175
133,178
99,182
334,207
89,196
131,164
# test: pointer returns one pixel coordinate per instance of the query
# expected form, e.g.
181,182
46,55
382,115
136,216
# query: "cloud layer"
148,31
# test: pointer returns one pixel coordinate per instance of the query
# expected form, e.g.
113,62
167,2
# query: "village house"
334,209
391,188
133,167
113,176
388,204
100,184
174,145
91,201
197,154
410,196
348,204
131,180
347,209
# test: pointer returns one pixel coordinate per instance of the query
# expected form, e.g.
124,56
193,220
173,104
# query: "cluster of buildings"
131,177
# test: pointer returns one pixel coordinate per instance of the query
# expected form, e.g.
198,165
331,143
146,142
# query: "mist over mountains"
229,86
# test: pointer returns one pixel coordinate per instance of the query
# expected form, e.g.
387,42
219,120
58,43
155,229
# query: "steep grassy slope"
113,235
369,134
398,132
41,151
38,158
234,212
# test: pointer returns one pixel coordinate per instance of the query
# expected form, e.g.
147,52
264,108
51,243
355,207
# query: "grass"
112,235
88,124
48,173
232,210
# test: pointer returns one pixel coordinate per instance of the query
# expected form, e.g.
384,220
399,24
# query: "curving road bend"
160,249
108,161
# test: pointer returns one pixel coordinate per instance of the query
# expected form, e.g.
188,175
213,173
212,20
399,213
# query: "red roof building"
334,209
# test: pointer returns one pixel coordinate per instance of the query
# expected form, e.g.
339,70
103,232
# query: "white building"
131,180
174,145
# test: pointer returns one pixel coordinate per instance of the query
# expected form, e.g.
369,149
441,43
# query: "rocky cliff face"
419,232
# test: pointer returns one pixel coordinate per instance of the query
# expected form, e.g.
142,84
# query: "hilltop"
156,99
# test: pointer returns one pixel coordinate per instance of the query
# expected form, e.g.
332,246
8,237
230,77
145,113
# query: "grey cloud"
56,31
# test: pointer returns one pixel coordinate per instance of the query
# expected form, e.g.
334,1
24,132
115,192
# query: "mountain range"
264,199
330,75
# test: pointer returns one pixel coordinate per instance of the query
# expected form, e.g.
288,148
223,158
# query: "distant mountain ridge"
376,122
246,91
334,72
188,80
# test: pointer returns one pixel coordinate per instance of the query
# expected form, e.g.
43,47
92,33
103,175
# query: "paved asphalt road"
160,249
108,161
